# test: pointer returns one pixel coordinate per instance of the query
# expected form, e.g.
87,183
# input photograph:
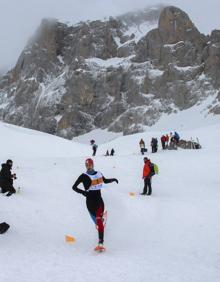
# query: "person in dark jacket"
94,148
93,183
112,152
176,137
154,145
6,178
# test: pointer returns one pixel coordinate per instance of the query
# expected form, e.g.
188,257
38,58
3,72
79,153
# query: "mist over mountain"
121,74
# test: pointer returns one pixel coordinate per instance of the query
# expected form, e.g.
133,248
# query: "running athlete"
93,182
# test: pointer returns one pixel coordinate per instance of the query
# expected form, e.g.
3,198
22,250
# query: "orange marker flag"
69,239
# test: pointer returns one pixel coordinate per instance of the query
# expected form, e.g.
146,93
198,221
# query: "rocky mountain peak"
122,73
175,25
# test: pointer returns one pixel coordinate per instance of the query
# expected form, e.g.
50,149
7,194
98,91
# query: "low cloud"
19,20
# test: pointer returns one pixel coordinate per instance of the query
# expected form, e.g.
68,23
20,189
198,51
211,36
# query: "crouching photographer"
7,178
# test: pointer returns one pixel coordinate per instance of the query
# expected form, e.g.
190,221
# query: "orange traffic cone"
69,239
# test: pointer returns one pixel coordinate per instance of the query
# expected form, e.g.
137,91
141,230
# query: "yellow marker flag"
69,239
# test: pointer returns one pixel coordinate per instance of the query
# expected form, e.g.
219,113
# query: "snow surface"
141,30
172,236
26,143
112,62
100,135
192,118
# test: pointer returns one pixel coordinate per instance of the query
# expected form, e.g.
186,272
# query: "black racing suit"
94,201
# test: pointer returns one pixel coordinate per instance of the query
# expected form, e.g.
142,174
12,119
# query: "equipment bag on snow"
4,227
153,169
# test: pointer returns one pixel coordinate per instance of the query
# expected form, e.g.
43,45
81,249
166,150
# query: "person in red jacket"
163,142
147,177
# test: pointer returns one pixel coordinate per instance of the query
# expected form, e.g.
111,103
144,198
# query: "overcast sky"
20,18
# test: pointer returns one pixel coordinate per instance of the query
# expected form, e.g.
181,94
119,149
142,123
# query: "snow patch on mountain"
139,31
97,63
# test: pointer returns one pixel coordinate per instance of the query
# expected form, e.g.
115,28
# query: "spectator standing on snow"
149,170
94,147
176,137
112,152
163,142
154,144
142,146
172,145
147,177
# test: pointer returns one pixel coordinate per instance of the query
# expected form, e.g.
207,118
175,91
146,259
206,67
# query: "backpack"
153,169
156,169
4,227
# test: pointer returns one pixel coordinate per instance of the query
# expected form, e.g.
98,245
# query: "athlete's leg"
96,210
99,223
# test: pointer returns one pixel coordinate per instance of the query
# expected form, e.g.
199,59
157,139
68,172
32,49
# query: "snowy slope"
172,236
18,141
189,119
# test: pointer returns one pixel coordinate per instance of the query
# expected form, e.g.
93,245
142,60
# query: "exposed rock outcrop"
120,74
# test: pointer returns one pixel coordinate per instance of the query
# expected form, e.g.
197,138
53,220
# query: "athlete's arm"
76,189
109,180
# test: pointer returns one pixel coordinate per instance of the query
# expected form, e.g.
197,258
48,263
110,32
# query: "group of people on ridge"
167,141
170,141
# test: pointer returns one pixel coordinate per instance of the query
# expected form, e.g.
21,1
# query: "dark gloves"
115,180
84,193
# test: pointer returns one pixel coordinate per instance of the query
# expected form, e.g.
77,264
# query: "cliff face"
119,74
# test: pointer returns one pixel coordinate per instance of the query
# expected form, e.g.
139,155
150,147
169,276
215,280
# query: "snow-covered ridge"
17,142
